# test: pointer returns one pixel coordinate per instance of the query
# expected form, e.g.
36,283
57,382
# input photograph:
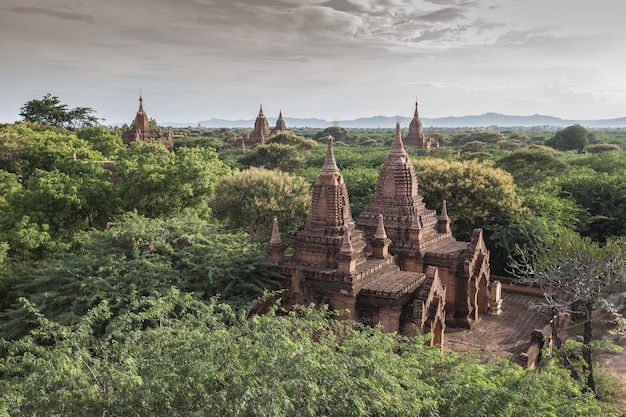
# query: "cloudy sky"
335,59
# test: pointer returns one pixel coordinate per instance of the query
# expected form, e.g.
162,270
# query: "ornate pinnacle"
444,211
346,245
397,147
329,162
275,239
380,230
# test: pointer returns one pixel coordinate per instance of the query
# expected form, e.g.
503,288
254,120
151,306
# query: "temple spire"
346,245
329,162
443,222
397,147
416,114
380,230
444,211
275,239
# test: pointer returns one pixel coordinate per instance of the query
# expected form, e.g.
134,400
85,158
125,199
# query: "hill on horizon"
486,120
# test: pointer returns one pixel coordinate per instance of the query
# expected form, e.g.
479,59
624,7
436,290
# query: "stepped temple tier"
142,132
398,265
262,131
333,263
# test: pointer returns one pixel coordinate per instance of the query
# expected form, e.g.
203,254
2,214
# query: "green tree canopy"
286,158
530,166
250,199
50,111
176,356
573,137
290,138
477,194
156,182
136,256
26,147
337,132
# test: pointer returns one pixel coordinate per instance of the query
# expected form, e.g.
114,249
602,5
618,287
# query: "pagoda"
142,132
334,264
421,239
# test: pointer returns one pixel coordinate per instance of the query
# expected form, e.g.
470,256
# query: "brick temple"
261,131
398,265
416,138
142,132
421,239
334,264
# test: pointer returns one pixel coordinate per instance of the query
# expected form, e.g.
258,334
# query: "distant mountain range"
481,121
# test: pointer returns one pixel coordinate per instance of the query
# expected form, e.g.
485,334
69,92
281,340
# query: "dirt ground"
615,363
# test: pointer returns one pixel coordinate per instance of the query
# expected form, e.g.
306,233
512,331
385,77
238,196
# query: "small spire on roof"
397,147
380,230
275,239
346,245
330,165
444,211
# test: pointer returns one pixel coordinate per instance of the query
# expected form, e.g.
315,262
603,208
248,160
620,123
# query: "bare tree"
577,275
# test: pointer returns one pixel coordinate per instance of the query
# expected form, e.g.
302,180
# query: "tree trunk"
587,336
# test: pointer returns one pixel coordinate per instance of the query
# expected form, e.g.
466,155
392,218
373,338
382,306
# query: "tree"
576,275
337,132
530,166
157,183
290,138
477,194
177,356
573,137
50,111
27,147
286,158
485,137
250,199
136,257
101,139
602,197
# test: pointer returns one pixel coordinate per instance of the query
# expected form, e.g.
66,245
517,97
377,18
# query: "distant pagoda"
142,132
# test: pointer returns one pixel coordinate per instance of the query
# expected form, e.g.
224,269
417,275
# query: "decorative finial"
397,147
329,162
275,239
444,211
346,245
380,230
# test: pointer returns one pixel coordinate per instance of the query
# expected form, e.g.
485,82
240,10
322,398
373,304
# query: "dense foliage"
51,111
127,274
175,356
251,199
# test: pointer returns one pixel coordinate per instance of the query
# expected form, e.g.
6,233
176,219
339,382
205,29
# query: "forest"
134,290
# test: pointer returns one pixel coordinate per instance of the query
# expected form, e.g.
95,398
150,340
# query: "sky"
194,60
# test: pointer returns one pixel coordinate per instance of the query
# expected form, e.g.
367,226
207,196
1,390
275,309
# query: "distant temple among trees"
416,137
140,131
262,131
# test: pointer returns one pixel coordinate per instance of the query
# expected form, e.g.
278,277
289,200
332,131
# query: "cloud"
66,15
443,15
561,89
343,6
